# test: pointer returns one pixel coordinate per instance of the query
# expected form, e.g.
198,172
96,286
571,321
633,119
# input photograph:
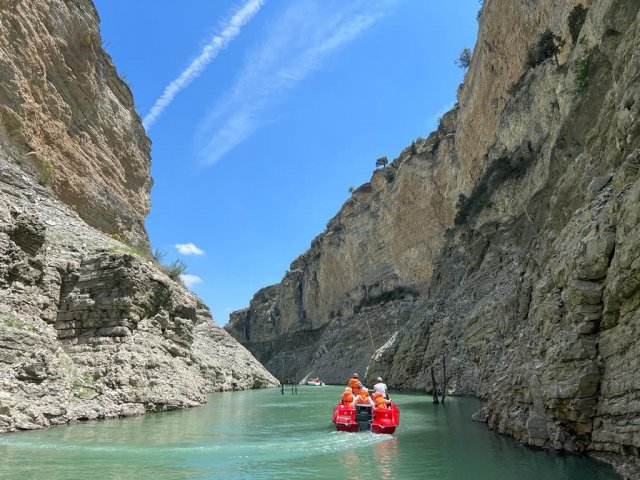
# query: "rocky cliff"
69,118
90,326
527,284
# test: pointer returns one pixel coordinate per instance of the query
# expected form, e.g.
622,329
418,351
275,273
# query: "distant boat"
315,382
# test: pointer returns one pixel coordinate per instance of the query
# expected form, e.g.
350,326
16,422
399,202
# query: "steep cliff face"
89,326
383,243
68,118
534,295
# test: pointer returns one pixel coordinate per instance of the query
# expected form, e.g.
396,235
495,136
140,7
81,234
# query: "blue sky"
263,113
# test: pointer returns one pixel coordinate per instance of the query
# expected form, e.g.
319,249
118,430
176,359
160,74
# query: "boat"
359,418
315,382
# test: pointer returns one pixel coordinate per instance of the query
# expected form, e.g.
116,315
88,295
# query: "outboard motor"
364,414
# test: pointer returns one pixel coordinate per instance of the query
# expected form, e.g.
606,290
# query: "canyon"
505,244
91,325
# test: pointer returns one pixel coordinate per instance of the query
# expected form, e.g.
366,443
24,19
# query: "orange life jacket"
347,398
379,400
354,383
363,398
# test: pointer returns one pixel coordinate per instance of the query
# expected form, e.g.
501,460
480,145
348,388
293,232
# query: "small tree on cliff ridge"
381,162
464,60
548,45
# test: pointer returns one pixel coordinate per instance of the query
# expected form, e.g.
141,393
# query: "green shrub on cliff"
582,72
381,162
548,45
175,269
45,174
464,60
497,173
576,19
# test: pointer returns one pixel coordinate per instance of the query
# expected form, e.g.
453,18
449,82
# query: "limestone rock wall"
532,294
383,243
90,328
68,118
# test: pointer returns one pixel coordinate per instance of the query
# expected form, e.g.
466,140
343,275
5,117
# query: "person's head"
364,390
348,389
379,379
355,375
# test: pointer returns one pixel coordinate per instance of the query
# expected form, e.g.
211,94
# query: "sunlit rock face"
90,325
530,288
67,116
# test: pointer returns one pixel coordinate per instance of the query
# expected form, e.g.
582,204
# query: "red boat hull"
385,420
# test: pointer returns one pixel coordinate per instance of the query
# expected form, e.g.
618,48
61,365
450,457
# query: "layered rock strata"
69,118
533,297
90,328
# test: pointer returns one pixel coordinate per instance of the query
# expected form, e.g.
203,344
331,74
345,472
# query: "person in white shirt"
381,387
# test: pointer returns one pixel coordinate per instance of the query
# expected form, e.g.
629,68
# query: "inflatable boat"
364,417
315,382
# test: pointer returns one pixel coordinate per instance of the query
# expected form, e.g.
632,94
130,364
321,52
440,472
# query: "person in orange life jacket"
379,401
354,384
363,398
347,397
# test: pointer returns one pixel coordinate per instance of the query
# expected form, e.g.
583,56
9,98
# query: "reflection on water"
386,452
265,435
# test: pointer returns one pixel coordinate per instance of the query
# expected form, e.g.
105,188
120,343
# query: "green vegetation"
464,60
583,71
10,120
84,386
159,255
398,293
548,45
175,269
351,189
576,20
390,175
119,238
497,173
381,162
14,322
45,174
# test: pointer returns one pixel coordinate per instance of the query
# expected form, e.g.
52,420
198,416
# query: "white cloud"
296,45
188,249
190,280
230,30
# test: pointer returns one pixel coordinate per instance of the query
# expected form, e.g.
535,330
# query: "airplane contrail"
220,41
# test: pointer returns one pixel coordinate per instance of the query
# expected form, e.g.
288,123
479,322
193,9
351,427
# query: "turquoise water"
263,435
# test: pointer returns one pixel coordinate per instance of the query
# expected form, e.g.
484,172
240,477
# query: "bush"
158,255
398,293
498,172
382,162
45,174
464,60
582,72
547,46
576,20
175,269
390,175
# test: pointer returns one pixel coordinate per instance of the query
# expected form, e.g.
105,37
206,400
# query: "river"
265,435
